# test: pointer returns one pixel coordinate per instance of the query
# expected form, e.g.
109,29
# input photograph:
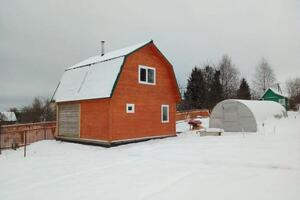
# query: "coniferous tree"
244,90
195,92
216,92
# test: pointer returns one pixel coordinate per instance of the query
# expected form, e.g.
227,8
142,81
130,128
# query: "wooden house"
273,95
123,96
7,118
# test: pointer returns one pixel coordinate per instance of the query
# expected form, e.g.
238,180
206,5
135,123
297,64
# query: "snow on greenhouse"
234,115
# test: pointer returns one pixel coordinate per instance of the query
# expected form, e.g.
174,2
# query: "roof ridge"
276,92
109,56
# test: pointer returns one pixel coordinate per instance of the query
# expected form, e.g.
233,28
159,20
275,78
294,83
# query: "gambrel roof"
94,77
110,55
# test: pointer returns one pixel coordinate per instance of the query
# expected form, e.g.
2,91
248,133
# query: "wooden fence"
183,115
12,136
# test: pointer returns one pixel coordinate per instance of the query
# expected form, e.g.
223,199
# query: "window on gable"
164,113
143,73
150,76
147,75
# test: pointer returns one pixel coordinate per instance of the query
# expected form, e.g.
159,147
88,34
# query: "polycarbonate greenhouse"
235,115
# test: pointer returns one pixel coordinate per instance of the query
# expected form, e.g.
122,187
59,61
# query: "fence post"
45,132
25,142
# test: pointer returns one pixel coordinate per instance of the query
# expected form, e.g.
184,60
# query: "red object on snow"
195,123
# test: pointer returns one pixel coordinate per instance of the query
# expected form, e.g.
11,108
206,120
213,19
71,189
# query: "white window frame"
162,113
130,105
146,68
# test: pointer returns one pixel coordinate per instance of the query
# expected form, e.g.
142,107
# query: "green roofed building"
273,95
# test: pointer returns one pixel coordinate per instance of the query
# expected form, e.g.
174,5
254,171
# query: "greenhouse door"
68,120
230,117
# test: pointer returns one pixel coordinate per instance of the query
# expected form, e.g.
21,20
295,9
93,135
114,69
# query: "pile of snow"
182,126
263,165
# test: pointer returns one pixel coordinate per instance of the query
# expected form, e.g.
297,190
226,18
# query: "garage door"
68,120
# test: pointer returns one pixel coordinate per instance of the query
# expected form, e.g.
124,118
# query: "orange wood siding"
146,121
94,119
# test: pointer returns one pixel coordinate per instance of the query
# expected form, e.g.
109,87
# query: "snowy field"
263,165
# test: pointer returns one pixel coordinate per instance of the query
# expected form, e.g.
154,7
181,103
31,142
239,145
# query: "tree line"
39,110
211,83
207,85
293,89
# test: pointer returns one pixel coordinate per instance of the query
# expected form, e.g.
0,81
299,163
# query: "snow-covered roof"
262,110
8,116
276,92
110,55
94,77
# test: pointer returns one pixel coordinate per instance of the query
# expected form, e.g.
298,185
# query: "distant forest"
39,110
209,84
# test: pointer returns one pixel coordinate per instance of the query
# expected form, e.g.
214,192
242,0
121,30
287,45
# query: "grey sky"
39,39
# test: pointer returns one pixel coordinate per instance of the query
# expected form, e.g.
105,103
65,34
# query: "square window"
165,113
147,75
129,108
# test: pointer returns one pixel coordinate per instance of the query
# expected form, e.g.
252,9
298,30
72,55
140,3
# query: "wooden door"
69,120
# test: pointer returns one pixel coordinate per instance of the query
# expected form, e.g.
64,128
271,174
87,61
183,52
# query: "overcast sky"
39,39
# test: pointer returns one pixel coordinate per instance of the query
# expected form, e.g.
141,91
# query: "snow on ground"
264,165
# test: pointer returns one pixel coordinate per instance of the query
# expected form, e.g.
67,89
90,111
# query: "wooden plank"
68,120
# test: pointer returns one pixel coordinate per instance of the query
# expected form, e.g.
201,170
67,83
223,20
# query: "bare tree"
264,77
293,86
229,77
40,110
293,89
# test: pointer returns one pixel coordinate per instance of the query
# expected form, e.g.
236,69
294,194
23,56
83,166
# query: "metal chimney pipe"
102,47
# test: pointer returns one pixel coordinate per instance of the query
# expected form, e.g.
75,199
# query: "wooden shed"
123,96
7,118
273,95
